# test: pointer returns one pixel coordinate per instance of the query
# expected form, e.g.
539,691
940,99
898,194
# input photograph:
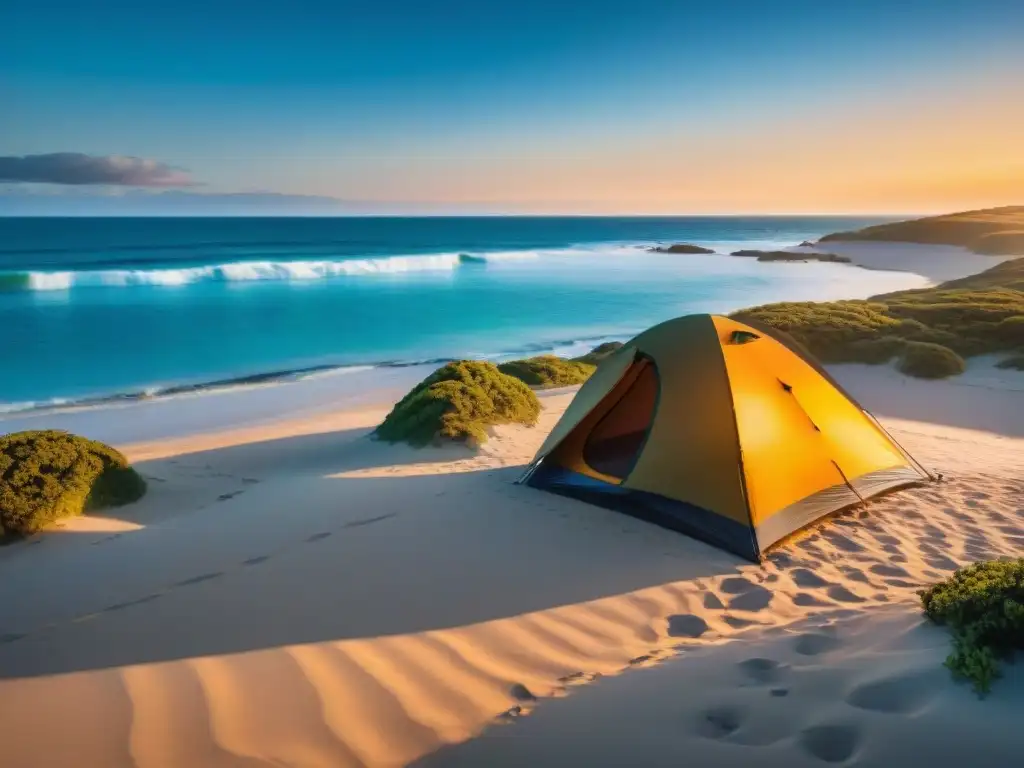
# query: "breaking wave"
246,271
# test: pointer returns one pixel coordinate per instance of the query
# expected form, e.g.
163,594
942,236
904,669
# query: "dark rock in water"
806,244
680,248
469,258
792,256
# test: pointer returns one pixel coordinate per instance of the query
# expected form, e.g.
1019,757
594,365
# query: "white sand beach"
290,592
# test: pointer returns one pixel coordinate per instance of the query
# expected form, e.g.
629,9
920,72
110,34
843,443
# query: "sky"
532,106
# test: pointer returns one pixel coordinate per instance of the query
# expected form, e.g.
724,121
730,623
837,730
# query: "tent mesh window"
742,337
615,441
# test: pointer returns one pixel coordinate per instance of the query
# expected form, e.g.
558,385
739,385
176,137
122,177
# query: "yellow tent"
719,430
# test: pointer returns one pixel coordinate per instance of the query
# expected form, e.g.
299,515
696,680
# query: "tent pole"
906,453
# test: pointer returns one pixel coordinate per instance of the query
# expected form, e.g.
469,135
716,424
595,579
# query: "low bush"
458,402
46,475
983,605
875,351
548,371
1011,330
599,353
980,314
924,360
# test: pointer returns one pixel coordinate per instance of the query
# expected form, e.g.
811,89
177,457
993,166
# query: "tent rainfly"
721,431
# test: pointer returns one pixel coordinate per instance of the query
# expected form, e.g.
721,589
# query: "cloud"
78,169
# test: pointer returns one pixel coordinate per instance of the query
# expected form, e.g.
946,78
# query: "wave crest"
245,271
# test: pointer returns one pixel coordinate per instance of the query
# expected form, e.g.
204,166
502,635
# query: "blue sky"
546,106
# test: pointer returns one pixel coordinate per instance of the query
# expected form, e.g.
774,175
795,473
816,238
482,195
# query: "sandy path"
301,596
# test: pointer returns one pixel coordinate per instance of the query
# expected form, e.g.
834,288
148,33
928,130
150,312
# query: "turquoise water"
97,307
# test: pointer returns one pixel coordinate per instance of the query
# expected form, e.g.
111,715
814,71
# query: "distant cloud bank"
78,169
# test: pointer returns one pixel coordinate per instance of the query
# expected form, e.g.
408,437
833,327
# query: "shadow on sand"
335,537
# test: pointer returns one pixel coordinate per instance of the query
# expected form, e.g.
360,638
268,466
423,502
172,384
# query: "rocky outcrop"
792,256
680,248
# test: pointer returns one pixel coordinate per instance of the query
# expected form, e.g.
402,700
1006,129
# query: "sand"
292,593
936,262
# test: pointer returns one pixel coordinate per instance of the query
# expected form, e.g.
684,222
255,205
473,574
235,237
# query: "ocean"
94,309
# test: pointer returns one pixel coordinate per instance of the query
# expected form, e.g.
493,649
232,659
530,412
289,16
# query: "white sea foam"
50,281
244,271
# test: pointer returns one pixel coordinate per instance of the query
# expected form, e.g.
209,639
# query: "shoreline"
934,263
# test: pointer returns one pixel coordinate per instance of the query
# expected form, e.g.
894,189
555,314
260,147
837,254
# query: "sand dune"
298,595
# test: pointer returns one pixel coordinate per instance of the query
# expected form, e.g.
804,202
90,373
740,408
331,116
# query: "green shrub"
924,360
458,402
548,371
46,475
599,353
1011,330
875,351
975,315
983,604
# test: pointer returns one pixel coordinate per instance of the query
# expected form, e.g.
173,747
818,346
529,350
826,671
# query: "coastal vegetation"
980,314
46,475
983,605
548,371
924,360
458,402
599,353
994,231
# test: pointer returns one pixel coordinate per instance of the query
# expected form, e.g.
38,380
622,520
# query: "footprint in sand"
686,625
749,596
199,579
720,722
130,603
761,671
901,584
520,692
369,520
941,562
815,643
899,694
843,595
807,579
881,569
806,599
712,603
757,599
855,574
830,743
